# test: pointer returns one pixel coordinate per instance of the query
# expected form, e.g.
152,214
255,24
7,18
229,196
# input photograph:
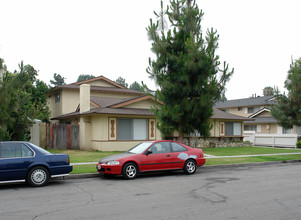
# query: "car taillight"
68,160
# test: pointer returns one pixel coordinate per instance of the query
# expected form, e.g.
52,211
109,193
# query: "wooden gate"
62,136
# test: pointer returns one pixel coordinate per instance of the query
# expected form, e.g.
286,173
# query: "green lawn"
218,161
77,156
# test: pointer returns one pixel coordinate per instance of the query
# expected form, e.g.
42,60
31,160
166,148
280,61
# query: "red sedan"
153,156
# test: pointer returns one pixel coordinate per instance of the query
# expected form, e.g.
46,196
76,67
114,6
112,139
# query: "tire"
190,167
129,171
38,176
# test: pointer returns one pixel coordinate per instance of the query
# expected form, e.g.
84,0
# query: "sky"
258,39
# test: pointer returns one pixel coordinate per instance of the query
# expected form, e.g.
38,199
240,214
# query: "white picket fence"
274,140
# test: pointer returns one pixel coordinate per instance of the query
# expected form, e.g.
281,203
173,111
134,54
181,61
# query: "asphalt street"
233,192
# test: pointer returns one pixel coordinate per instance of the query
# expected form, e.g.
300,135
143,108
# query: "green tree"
136,86
58,80
83,77
287,108
269,91
121,81
22,99
186,69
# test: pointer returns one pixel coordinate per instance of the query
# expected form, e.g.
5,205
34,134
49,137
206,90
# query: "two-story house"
257,108
112,117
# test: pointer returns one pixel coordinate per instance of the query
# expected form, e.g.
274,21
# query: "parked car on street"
153,156
23,161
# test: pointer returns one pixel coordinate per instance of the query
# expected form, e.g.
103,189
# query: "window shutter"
112,129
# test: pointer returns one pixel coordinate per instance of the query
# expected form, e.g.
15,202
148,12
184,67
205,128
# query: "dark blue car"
23,161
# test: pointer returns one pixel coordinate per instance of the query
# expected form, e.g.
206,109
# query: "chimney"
84,98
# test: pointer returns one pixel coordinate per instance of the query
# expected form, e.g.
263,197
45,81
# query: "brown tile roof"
106,101
108,111
218,114
120,111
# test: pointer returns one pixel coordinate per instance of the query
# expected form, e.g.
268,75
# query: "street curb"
95,175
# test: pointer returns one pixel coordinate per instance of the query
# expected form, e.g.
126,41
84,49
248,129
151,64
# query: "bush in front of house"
298,144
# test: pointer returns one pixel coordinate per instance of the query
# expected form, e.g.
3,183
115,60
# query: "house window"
253,109
250,128
239,109
226,110
132,129
57,97
233,129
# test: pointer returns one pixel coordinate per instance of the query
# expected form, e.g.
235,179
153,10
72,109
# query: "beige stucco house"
112,117
257,108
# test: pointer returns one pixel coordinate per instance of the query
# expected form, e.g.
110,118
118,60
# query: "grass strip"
78,156
77,169
220,161
231,151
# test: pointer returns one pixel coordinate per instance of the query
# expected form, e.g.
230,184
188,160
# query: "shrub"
298,144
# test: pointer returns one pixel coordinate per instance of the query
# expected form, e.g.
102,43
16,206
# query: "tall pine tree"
287,109
186,69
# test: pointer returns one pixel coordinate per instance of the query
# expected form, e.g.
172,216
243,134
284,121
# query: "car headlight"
113,162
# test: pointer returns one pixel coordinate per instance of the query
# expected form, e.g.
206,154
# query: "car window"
26,152
160,148
13,150
41,150
177,147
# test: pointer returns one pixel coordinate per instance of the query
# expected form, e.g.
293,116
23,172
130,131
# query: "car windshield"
140,148
41,150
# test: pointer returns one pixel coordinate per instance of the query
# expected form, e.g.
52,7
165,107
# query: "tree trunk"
181,134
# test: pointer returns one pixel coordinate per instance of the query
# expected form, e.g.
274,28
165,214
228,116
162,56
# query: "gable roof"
132,101
219,114
259,112
253,101
100,78
263,120
106,101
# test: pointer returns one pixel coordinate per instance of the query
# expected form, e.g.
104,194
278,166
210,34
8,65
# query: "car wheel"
129,171
38,176
190,166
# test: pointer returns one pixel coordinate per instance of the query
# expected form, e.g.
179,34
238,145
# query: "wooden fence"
62,136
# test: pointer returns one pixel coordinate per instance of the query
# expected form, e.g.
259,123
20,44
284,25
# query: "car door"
178,155
158,157
15,159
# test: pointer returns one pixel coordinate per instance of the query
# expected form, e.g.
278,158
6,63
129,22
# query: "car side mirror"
149,152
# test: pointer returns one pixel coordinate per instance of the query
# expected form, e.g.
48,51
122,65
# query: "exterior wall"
100,83
147,104
69,100
55,108
243,112
85,131
217,130
213,142
264,114
112,95
100,138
